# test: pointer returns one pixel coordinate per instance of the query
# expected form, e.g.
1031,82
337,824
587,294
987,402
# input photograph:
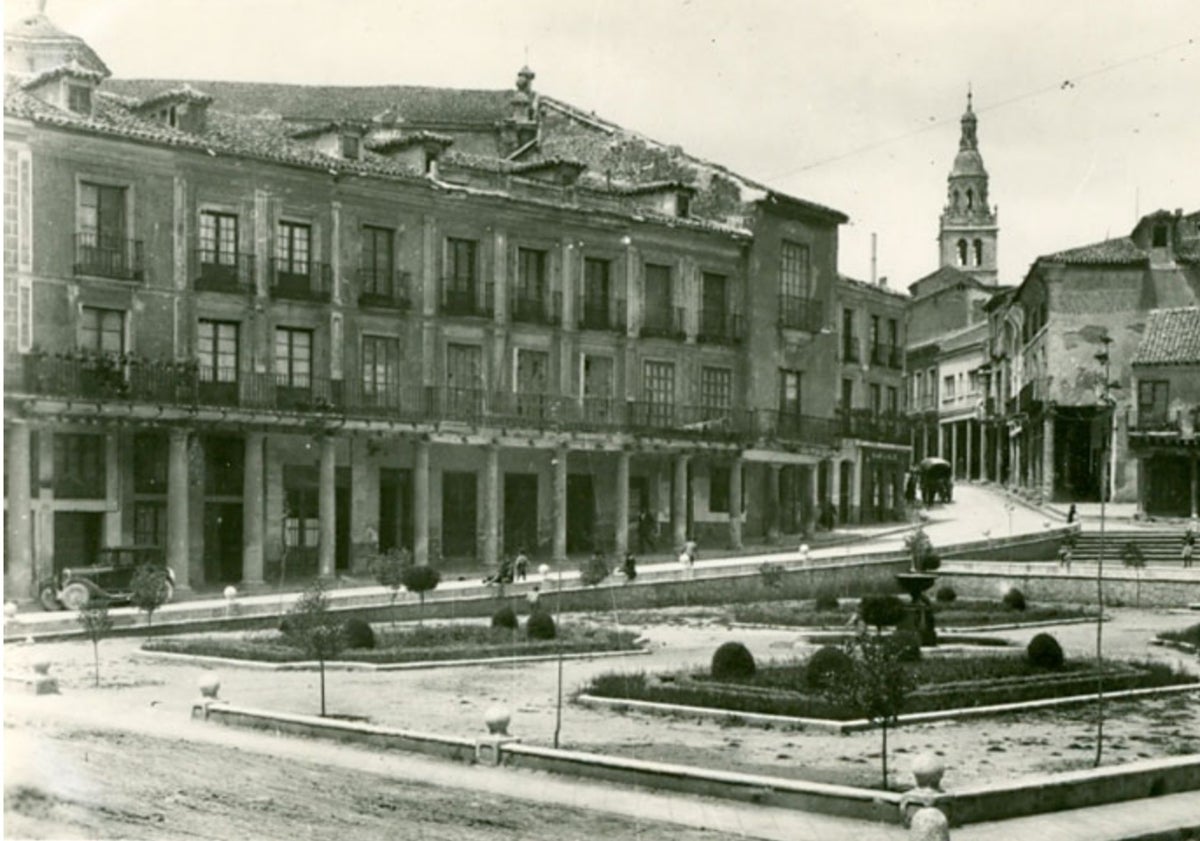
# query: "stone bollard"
929,824
927,770
488,749
209,685
230,594
42,683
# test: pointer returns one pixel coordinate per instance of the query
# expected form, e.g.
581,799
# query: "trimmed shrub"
1044,652
907,644
505,617
1014,599
881,611
946,594
358,634
825,666
826,600
540,626
286,626
733,661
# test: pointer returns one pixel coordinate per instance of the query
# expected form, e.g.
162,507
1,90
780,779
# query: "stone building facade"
274,330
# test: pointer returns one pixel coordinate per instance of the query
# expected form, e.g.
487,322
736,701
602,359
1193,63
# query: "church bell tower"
969,230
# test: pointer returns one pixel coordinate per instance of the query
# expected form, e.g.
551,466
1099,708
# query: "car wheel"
75,595
48,598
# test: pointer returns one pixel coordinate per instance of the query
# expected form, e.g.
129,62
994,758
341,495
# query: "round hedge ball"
540,626
825,666
733,661
358,634
1044,652
1014,599
505,617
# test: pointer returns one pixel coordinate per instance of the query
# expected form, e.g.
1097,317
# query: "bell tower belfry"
969,231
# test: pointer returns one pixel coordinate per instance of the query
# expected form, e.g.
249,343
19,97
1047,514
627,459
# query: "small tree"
149,589
388,568
311,627
875,685
881,611
921,552
1132,557
420,579
96,623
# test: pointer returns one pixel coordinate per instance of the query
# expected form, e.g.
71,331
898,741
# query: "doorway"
395,509
520,513
459,515
222,542
77,538
581,513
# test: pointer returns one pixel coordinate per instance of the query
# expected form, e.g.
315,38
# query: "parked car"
108,578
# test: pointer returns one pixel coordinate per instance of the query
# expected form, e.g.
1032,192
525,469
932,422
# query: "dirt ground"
129,785
453,700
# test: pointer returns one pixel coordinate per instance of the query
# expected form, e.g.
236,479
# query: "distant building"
276,328
1165,420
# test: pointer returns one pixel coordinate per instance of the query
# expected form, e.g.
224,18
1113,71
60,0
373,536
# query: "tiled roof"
39,29
412,104
1172,337
179,93
1120,251
72,68
392,139
872,287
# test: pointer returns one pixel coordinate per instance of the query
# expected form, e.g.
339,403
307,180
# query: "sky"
1089,110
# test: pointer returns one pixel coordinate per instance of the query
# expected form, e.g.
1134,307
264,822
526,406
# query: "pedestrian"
521,564
910,488
1189,547
1071,513
1064,557
692,551
629,566
646,523
532,597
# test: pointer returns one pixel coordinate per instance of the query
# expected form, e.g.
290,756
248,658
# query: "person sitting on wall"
629,566
504,575
521,564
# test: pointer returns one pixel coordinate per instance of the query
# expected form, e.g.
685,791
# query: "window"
460,265
293,247
970,198
350,145
894,338
962,252
597,386
794,270
79,466
293,357
1153,401
718,489
876,356
948,389
978,246
217,350
102,330
149,464
789,392
1158,237
380,365
149,523
716,389
876,400
596,282
464,378
657,313
301,524
378,252
218,238
658,385
683,205
102,215
532,382
531,277
79,99
893,400
847,395
714,296
849,340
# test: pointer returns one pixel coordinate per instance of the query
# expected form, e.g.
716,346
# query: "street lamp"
1106,406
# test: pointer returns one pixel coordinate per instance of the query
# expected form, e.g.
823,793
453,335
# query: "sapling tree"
96,623
875,684
1132,557
420,579
149,589
389,568
312,628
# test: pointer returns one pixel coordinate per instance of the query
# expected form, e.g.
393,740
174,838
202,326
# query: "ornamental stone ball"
927,770
209,683
497,718
230,593
929,824
10,610
804,551
543,570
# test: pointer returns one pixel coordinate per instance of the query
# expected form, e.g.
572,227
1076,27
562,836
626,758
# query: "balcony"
221,272
384,289
114,257
850,350
536,309
295,280
663,324
895,358
468,300
793,427
1162,429
687,421
607,314
796,313
721,328
865,425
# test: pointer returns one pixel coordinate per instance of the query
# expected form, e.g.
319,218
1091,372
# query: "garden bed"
1186,640
959,614
431,643
781,688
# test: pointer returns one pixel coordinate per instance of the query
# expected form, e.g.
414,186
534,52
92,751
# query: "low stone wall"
1047,582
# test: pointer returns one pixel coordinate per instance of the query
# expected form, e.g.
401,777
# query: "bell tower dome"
968,235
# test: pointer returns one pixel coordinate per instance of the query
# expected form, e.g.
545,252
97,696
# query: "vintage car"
109,578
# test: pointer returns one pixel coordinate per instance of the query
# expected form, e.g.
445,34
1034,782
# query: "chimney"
873,243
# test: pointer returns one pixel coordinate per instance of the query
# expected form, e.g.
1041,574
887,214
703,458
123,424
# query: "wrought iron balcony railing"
223,272
663,323
793,427
468,299
536,309
384,289
298,280
796,313
850,350
105,256
597,313
865,425
718,327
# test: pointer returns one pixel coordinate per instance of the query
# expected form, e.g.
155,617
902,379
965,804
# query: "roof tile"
1120,251
1172,337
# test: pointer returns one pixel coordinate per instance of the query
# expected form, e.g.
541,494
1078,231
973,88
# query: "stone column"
813,503
983,451
1140,506
969,428
1048,456
559,547
835,489
327,511
178,552
735,504
420,503
252,510
1195,487
621,519
954,451
856,469
679,503
773,501
491,506
941,440
20,582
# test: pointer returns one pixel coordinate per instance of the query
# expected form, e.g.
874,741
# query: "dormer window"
1159,237
683,205
79,99
169,116
350,147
